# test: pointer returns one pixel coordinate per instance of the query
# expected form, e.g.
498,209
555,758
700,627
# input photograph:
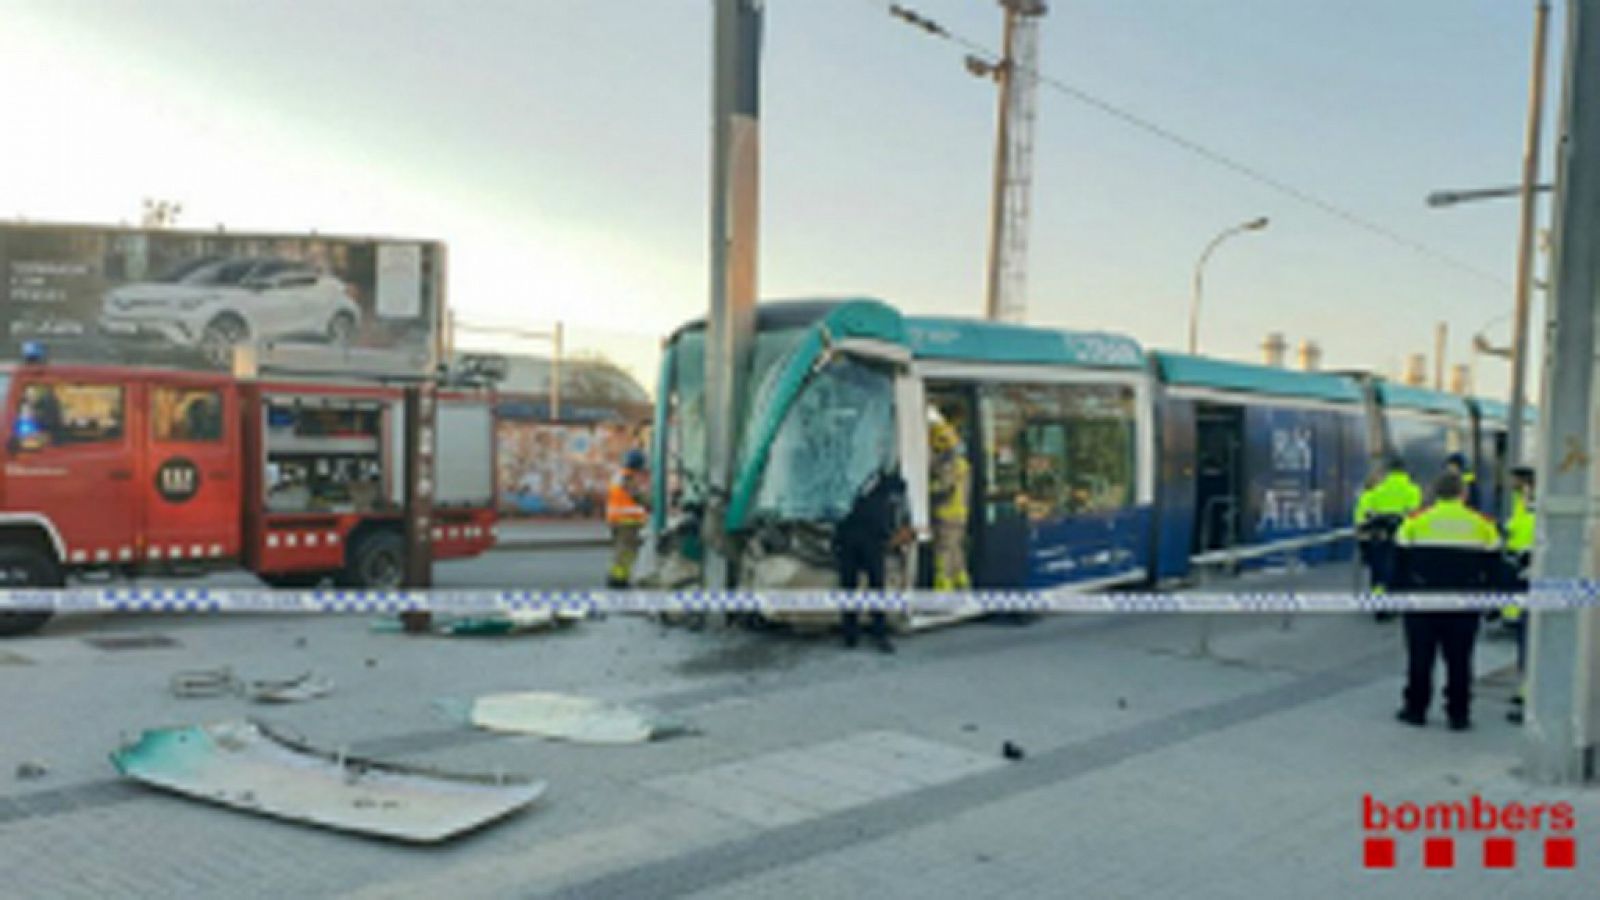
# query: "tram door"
957,404
1219,476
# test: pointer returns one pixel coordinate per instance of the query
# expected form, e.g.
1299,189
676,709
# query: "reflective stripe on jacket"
622,508
1449,523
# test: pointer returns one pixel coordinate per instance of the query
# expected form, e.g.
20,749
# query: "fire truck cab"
113,471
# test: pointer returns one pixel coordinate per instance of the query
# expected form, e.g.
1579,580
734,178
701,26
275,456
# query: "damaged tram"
1092,462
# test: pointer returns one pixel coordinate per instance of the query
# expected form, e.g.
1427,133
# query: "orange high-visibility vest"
621,508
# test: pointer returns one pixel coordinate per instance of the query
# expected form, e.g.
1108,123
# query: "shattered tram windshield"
686,423
839,431
686,434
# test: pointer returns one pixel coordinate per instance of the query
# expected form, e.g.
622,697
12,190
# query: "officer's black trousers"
855,559
1428,635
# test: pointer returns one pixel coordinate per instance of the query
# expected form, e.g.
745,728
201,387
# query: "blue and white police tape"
1552,595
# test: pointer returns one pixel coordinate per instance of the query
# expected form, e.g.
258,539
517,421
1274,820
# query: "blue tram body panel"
1296,486
1088,547
1175,488
1354,450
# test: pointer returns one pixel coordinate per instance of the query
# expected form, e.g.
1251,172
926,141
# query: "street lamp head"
1257,224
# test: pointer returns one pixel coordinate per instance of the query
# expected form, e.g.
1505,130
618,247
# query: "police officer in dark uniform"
861,541
1445,547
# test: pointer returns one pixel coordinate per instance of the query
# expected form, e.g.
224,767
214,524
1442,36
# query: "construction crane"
1017,75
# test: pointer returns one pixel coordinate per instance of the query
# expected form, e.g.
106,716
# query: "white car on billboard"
215,303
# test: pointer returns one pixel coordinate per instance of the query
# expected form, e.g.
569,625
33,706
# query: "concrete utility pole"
1560,715
1525,243
735,195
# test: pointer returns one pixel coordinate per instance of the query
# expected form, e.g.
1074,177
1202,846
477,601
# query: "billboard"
185,298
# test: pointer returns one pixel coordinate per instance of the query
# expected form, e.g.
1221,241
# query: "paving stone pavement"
1151,769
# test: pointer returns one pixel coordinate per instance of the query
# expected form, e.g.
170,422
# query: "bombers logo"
1499,824
177,480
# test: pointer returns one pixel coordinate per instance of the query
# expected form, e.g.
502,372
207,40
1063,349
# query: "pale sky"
560,149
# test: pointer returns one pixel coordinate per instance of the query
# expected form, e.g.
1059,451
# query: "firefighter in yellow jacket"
625,515
1380,510
1379,513
949,486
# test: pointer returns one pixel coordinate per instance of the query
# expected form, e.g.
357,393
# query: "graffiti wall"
559,469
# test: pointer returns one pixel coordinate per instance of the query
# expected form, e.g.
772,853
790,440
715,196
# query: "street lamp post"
1199,275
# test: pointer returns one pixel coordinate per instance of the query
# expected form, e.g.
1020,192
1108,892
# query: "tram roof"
975,340
1500,411
1227,375
1401,396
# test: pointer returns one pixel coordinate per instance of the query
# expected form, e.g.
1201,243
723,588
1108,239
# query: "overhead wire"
1193,146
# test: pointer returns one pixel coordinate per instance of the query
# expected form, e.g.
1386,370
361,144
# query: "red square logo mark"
1499,853
1379,853
1439,853
1560,853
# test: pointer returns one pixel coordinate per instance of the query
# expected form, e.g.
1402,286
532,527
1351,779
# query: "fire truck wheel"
26,567
377,560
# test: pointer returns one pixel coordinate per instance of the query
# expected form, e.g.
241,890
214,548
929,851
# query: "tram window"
1061,450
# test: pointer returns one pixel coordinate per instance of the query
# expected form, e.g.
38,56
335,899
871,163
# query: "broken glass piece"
566,717
247,766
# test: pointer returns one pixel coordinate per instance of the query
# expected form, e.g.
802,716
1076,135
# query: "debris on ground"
203,683
247,766
1012,751
222,682
1122,703
306,687
28,770
519,621
566,717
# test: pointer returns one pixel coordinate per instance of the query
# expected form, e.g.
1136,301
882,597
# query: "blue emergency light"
32,352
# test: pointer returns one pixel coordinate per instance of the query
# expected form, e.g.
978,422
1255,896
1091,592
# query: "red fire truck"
114,471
